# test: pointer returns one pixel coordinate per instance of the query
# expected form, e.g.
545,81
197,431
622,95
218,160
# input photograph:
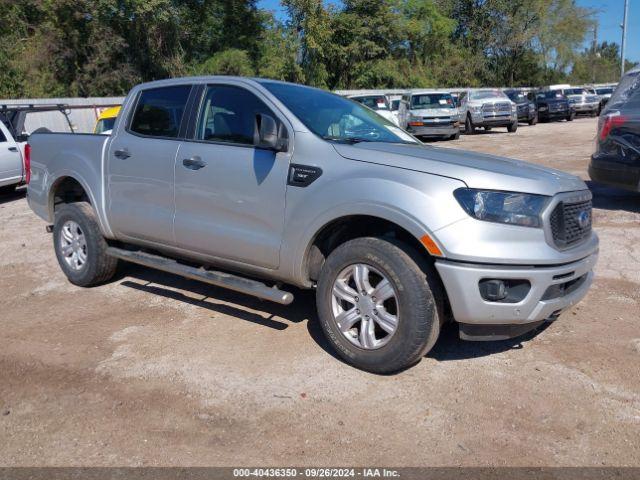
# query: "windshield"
604,91
376,102
336,118
517,97
432,100
105,124
395,105
575,91
486,94
550,94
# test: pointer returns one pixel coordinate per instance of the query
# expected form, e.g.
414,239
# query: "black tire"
533,121
571,116
99,267
455,136
469,127
487,129
419,301
513,127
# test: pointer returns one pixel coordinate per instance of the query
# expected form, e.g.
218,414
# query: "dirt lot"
155,370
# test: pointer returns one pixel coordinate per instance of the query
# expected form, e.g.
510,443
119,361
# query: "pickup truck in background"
553,105
14,151
254,184
488,109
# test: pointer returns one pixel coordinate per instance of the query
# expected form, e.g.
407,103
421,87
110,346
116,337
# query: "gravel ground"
152,369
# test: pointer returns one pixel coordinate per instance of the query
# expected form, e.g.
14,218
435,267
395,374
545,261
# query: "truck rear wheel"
379,304
80,247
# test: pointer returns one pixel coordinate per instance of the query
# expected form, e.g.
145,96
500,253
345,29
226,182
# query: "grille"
558,107
500,107
441,121
565,223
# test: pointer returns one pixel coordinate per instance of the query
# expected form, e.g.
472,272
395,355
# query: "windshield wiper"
350,140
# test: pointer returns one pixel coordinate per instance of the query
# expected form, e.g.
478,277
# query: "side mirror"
270,134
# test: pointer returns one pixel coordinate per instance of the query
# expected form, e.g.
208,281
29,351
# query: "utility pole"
594,50
624,34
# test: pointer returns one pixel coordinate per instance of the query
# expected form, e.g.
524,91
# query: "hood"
490,100
552,101
477,170
434,112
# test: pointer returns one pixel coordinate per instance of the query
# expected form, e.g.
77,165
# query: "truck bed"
54,157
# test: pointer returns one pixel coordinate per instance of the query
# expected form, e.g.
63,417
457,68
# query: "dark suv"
553,105
527,111
616,160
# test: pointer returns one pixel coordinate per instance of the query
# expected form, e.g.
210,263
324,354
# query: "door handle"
194,163
122,154
13,149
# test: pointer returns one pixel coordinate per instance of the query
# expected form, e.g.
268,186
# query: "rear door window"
159,111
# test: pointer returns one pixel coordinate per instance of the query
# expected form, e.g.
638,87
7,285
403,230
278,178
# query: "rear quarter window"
159,111
627,91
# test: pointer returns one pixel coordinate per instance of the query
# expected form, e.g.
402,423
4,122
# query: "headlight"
542,108
532,106
514,108
502,207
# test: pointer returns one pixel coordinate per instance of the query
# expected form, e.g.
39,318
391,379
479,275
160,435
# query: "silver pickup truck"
253,184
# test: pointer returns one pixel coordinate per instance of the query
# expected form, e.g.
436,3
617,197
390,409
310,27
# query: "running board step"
219,279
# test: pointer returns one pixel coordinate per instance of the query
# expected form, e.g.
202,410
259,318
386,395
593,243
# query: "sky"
609,14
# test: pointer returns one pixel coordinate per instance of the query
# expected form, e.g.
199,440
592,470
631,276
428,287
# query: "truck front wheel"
379,304
80,246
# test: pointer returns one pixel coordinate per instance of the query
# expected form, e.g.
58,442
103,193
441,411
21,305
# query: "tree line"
57,48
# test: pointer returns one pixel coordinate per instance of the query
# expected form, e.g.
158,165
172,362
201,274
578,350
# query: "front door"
10,159
230,196
141,165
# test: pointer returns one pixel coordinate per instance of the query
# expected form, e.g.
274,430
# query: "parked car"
398,107
488,109
106,120
14,152
527,111
553,105
605,94
581,100
379,103
291,184
432,114
616,160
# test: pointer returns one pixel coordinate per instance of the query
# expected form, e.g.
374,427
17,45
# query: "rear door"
10,159
141,162
230,195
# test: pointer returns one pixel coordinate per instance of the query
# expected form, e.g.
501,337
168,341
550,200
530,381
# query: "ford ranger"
254,184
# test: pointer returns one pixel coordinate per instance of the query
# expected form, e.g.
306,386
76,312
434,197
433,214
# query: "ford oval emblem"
583,219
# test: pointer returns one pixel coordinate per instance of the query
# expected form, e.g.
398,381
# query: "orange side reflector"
431,246
416,124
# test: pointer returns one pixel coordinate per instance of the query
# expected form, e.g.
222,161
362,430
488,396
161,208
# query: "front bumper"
615,174
480,120
586,107
461,281
429,131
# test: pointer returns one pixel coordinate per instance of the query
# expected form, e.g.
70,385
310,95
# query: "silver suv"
254,184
